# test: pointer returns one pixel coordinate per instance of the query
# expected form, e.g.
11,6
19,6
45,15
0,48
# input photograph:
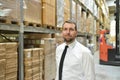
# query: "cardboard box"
10,70
2,77
12,75
28,73
12,8
11,55
48,15
11,47
27,53
2,51
2,66
11,63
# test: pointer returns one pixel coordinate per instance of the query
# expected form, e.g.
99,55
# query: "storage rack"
15,29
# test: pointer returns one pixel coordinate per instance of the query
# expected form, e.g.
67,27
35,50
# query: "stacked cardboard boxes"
11,10
2,61
28,64
66,10
11,61
83,21
8,61
48,12
49,45
74,11
36,63
33,63
79,17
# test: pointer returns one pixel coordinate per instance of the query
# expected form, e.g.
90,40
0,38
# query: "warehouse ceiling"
111,6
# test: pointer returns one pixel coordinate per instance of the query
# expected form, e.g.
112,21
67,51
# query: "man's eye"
64,29
71,29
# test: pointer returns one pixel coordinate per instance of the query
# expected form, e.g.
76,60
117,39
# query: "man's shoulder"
82,47
61,45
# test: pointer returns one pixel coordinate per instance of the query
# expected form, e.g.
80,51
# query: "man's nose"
68,31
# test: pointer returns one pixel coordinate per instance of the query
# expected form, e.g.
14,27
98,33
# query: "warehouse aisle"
105,72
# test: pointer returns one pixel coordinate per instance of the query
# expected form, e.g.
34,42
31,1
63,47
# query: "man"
78,63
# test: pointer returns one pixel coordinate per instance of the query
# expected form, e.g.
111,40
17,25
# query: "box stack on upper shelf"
43,12
103,13
66,10
11,11
48,13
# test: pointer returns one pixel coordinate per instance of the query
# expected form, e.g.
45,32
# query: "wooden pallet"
48,26
9,21
59,28
31,24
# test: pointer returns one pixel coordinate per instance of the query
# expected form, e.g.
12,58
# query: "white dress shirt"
78,63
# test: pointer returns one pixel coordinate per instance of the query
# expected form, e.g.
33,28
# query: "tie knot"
66,46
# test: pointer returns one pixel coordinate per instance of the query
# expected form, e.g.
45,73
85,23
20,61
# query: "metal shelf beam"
16,28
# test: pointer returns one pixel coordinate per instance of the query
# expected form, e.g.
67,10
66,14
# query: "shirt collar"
71,45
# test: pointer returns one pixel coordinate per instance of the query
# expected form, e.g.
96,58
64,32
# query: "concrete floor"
105,72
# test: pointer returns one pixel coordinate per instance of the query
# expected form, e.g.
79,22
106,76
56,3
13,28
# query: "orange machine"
104,46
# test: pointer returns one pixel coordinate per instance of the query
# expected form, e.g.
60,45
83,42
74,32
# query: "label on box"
42,41
29,54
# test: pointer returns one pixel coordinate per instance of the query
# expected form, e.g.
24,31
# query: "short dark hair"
72,22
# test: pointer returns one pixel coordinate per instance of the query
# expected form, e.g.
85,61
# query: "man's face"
69,33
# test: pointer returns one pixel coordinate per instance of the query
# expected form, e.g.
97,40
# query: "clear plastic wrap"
74,17
60,12
10,9
78,17
48,17
32,11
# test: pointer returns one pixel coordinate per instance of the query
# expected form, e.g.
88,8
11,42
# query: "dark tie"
61,62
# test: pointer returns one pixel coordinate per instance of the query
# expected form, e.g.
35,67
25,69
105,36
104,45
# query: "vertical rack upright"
21,40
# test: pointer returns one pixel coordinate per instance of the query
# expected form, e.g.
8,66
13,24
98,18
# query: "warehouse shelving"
16,28
22,29
12,28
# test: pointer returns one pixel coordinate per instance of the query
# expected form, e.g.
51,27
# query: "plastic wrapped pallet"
89,23
48,15
10,10
79,17
60,12
66,10
49,46
74,14
32,11
83,22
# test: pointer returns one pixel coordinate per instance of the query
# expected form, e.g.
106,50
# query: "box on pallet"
79,9
11,10
66,10
48,15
